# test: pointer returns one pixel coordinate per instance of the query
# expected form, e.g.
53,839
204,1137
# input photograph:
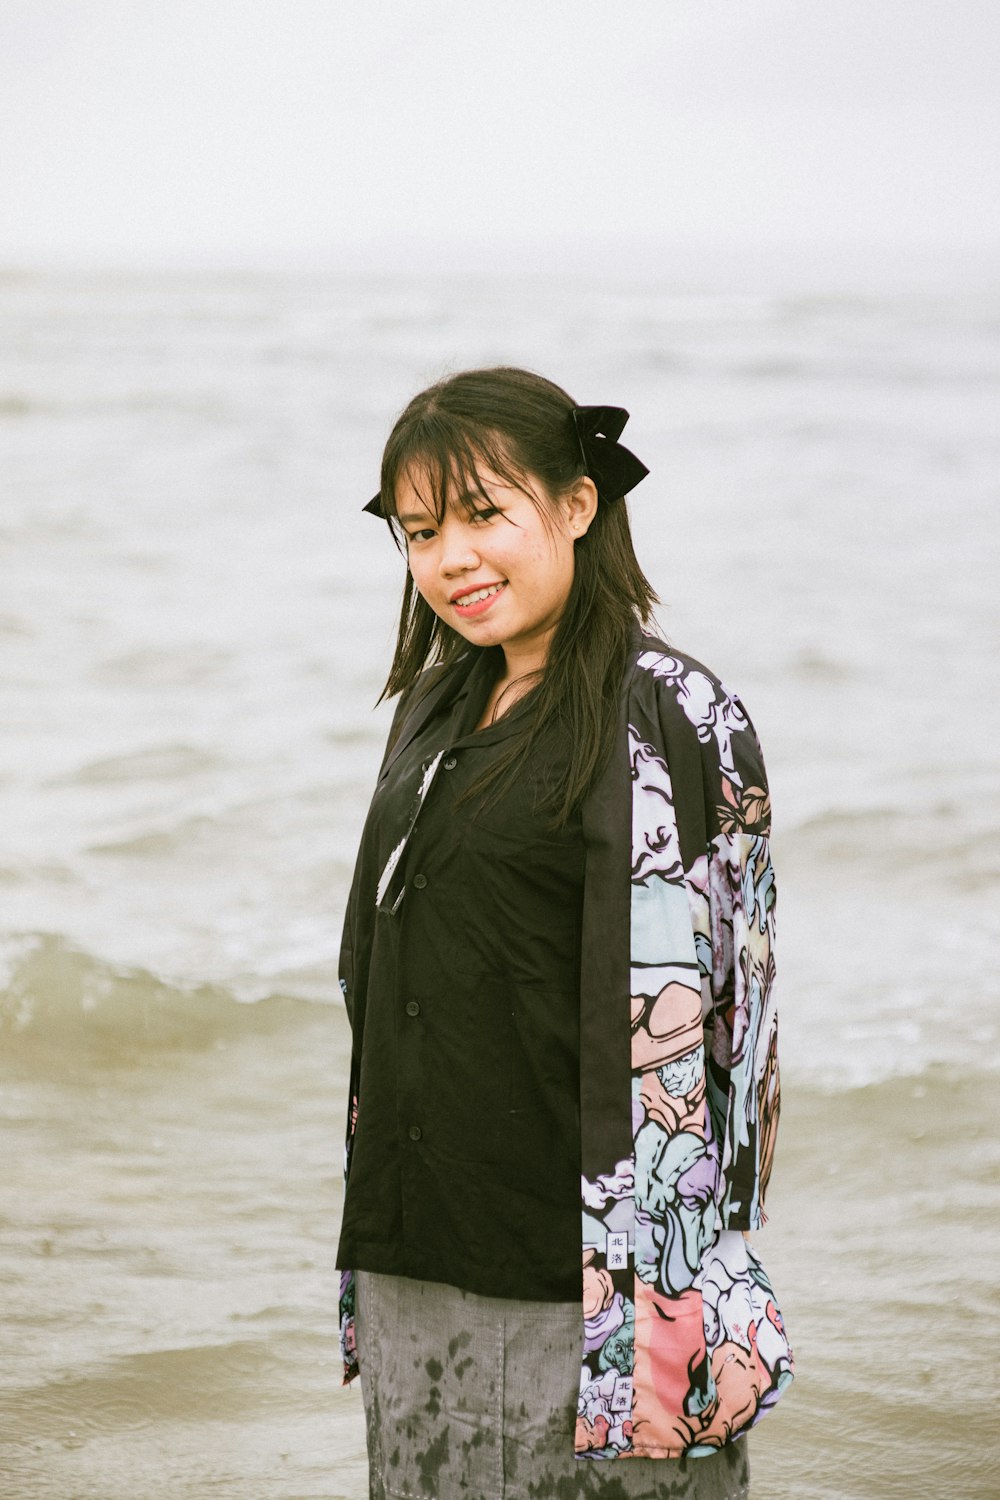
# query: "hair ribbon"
613,468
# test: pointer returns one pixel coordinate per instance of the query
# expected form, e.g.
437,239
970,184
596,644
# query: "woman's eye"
420,536
486,514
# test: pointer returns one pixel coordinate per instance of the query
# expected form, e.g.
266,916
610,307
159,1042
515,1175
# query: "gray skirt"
474,1398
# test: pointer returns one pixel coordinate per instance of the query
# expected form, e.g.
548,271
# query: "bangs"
442,458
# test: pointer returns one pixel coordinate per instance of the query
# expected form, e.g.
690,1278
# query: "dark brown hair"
518,424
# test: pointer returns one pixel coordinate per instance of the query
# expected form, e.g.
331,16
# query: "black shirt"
465,1165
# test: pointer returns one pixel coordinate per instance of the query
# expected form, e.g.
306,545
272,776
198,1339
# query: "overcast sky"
206,131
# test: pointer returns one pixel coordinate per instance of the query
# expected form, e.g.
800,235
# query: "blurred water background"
195,620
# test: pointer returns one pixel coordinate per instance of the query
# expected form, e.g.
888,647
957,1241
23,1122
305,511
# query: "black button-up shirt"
465,1164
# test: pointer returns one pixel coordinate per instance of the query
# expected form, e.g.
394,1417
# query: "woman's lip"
481,605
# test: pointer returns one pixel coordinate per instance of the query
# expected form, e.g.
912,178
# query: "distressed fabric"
469,1396
684,1348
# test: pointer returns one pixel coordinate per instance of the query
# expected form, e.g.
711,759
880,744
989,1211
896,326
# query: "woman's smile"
476,601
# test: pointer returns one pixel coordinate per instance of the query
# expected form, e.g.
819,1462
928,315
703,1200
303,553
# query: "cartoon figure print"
684,1346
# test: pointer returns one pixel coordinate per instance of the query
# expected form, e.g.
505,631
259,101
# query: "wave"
856,1096
217,1381
831,820
58,1002
937,836
173,762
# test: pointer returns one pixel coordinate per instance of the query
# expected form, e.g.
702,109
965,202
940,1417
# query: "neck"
516,678
526,662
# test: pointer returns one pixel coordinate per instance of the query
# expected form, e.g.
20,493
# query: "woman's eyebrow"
467,497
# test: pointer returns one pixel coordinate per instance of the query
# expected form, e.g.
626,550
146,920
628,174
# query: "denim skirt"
474,1398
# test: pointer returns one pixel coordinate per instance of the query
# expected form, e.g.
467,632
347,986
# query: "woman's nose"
458,555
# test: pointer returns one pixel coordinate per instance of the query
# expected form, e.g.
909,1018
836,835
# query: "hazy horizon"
701,139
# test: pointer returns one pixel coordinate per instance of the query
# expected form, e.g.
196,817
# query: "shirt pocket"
518,907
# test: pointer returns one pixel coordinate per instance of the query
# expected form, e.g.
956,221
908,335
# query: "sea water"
195,622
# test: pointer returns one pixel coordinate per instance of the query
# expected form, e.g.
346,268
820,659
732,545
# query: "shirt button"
420,881
412,1007
415,1132
451,763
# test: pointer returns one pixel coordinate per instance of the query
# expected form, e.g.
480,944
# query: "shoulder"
435,684
429,679
674,678
688,702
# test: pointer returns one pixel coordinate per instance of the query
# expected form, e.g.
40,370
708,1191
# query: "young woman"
558,967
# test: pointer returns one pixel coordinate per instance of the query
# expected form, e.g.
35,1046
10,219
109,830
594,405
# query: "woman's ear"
580,507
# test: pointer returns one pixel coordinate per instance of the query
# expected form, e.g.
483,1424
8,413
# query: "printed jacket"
683,1344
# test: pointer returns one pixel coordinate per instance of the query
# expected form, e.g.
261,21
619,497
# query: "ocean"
195,622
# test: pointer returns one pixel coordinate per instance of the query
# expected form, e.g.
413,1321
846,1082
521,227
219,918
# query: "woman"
557,964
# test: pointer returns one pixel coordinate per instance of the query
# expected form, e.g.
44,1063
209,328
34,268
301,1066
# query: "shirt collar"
475,695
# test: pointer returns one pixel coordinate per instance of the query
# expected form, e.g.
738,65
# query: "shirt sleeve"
744,1094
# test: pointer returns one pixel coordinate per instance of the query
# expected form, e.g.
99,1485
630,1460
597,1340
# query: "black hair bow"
374,507
613,468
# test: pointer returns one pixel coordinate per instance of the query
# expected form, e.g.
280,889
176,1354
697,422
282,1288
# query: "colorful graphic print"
684,1346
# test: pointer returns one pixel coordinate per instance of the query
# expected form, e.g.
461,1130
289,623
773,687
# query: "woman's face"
500,574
